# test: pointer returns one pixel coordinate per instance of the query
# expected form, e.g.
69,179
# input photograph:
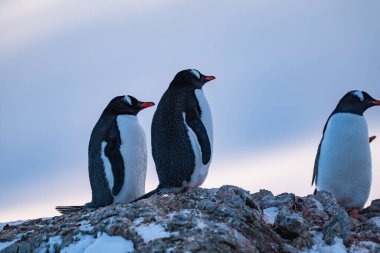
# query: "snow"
55,240
138,221
318,205
106,243
80,246
170,250
103,243
3,245
85,226
184,212
270,215
151,232
375,221
201,224
321,247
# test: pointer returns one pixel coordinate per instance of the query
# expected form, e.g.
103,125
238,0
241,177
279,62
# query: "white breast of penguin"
200,171
134,152
345,160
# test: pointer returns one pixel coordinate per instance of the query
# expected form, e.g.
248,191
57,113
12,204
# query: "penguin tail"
69,209
151,193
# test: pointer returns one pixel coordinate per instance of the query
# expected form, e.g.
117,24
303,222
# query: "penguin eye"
196,73
359,95
127,99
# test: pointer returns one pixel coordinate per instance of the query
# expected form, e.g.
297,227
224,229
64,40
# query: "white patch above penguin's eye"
196,73
359,94
127,99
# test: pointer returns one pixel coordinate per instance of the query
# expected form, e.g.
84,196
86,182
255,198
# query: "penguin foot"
355,214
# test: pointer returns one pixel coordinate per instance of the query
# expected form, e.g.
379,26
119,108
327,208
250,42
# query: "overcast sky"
281,68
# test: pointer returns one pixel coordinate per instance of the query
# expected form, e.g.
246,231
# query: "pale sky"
281,68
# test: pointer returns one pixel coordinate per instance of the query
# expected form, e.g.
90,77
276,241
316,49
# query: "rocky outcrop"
228,219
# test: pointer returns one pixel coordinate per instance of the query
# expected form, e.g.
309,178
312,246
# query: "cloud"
24,23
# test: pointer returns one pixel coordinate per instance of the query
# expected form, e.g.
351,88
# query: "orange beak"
146,104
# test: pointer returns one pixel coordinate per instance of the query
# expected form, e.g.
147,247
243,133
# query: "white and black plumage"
117,157
343,162
182,134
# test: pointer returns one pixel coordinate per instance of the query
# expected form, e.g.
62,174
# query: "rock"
293,227
338,226
328,202
373,210
228,219
312,210
290,226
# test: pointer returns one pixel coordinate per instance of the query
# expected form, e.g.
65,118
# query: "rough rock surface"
228,219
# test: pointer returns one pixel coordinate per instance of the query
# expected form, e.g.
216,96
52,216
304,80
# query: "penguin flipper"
193,120
69,209
372,138
112,151
316,163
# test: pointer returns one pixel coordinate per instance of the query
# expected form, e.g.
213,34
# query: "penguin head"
190,78
356,102
126,105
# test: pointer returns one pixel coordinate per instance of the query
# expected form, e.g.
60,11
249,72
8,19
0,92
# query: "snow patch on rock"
321,247
270,215
85,226
375,221
103,243
151,232
3,245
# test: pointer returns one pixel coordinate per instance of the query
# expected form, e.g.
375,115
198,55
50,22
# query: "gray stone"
338,226
228,219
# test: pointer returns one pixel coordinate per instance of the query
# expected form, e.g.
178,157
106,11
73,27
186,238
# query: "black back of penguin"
104,152
171,147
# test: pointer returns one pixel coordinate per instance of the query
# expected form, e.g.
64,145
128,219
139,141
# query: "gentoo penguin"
182,134
343,162
117,156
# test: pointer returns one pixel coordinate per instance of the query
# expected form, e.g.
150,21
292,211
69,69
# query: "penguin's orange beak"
376,102
146,104
210,78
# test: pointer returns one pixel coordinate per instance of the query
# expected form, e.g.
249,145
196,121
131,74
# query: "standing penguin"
182,134
343,164
117,156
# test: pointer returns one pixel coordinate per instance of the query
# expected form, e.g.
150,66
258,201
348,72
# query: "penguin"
182,134
117,155
343,163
